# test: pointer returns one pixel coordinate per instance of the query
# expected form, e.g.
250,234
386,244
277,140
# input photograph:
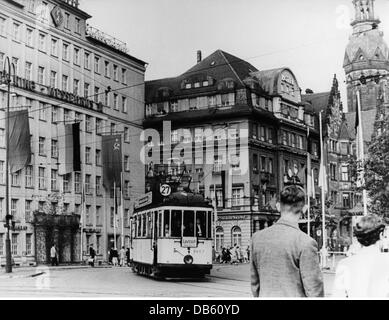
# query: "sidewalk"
28,272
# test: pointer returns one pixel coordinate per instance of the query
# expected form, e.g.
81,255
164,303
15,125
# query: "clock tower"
367,54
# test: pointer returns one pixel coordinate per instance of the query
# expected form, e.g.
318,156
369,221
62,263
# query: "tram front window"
176,223
201,224
189,223
166,221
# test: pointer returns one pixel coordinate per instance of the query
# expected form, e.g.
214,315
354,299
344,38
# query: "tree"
377,167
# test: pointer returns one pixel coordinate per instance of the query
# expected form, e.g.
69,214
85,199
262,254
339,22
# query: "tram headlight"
188,259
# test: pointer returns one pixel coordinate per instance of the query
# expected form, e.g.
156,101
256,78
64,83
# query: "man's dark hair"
369,229
292,196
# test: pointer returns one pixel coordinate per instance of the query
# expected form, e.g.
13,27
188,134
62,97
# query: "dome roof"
366,46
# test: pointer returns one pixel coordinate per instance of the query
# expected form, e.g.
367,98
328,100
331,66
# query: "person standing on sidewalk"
122,257
92,255
284,260
53,256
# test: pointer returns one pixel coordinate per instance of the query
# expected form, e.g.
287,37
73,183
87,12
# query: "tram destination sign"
189,242
144,201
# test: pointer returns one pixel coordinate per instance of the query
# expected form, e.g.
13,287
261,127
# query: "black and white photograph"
194,150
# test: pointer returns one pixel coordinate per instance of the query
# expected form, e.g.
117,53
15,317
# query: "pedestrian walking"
284,260
115,257
92,256
248,253
366,273
122,255
53,256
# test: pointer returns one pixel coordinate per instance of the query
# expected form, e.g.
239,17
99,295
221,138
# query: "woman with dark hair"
366,273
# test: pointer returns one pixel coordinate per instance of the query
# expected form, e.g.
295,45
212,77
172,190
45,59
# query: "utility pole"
8,253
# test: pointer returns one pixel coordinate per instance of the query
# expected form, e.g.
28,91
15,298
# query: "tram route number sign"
189,242
165,190
146,200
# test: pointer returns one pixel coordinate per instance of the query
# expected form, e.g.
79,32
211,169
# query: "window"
96,94
67,182
16,31
65,83
346,200
42,142
124,105
88,155
98,186
77,182
65,52
28,244
345,173
67,20
127,189
300,142
78,26
236,236
97,64
99,126
76,86
113,128
2,138
54,114
1,244
333,171
27,211
66,115
53,79
115,101
54,179
2,172
270,166
54,47
237,197
263,164
14,208
86,90
41,75
124,76
29,177
176,220
227,99
76,56
28,71
106,69
111,217
126,134
16,179
42,42
14,244
219,238
98,216
54,148
115,73
127,163
88,184
87,60
98,157
88,124
2,26
88,215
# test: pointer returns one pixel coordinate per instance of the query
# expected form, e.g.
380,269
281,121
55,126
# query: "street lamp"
10,67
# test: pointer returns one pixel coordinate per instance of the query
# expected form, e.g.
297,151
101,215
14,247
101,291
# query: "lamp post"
8,79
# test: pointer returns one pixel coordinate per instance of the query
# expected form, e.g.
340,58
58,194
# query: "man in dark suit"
285,260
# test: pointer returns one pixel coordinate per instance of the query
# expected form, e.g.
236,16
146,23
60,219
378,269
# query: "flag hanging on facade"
323,178
112,161
19,140
69,156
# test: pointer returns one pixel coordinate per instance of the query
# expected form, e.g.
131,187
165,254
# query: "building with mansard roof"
233,129
58,55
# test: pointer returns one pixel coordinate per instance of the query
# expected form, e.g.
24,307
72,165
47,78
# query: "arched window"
219,238
236,238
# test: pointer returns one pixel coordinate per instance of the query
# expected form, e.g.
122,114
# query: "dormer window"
188,86
197,85
205,83
361,57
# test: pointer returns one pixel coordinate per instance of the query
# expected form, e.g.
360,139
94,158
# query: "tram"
173,239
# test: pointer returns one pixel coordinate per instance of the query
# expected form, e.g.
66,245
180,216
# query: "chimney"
309,91
199,56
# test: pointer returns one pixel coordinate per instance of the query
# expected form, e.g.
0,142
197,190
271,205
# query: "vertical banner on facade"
69,156
19,140
224,189
112,161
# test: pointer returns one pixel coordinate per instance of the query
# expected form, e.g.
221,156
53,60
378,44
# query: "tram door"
154,237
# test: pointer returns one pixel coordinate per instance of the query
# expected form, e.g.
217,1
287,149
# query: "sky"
308,36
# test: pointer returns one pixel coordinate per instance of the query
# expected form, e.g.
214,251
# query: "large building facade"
67,72
235,130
